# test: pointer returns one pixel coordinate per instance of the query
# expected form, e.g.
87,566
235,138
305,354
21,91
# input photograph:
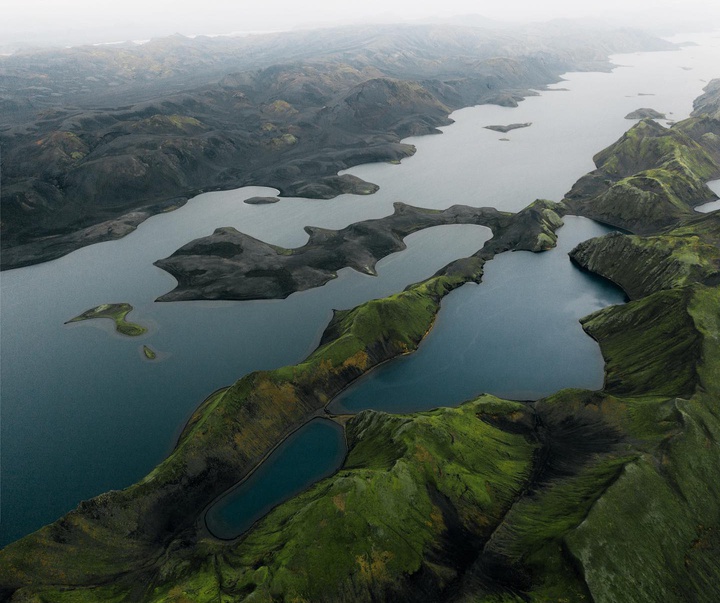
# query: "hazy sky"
104,20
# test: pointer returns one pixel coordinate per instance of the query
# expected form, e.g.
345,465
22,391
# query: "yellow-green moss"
116,313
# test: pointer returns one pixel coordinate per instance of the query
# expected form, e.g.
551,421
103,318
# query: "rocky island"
645,113
508,128
149,353
510,501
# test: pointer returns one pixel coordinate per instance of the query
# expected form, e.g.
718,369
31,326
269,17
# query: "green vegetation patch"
651,346
705,310
652,537
116,313
409,482
649,145
651,177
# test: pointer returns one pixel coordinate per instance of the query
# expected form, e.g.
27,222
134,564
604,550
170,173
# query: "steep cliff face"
644,265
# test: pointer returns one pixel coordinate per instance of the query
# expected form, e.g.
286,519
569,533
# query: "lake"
83,412
314,451
515,335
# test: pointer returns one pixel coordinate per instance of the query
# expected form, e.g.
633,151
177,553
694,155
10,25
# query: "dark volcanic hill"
94,139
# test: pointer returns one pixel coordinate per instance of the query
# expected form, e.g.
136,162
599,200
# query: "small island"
506,129
115,312
149,353
261,200
645,113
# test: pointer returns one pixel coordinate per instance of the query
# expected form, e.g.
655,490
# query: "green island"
116,313
149,353
606,496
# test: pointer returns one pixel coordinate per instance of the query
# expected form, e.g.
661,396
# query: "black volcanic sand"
232,265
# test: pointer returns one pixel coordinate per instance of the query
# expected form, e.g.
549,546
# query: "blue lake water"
315,451
515,335
83,412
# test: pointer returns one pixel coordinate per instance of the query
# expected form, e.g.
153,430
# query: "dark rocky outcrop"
645,113
231,265
508,128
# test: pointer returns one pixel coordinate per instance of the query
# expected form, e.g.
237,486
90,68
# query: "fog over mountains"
42,23
91,133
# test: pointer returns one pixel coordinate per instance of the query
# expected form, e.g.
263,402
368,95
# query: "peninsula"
231,265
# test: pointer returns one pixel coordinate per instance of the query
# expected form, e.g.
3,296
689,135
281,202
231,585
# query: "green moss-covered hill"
607,496
652,177
115,537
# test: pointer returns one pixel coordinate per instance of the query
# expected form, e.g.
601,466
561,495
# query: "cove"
313,452
515,335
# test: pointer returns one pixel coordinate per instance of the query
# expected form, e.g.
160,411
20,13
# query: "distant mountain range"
96,138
